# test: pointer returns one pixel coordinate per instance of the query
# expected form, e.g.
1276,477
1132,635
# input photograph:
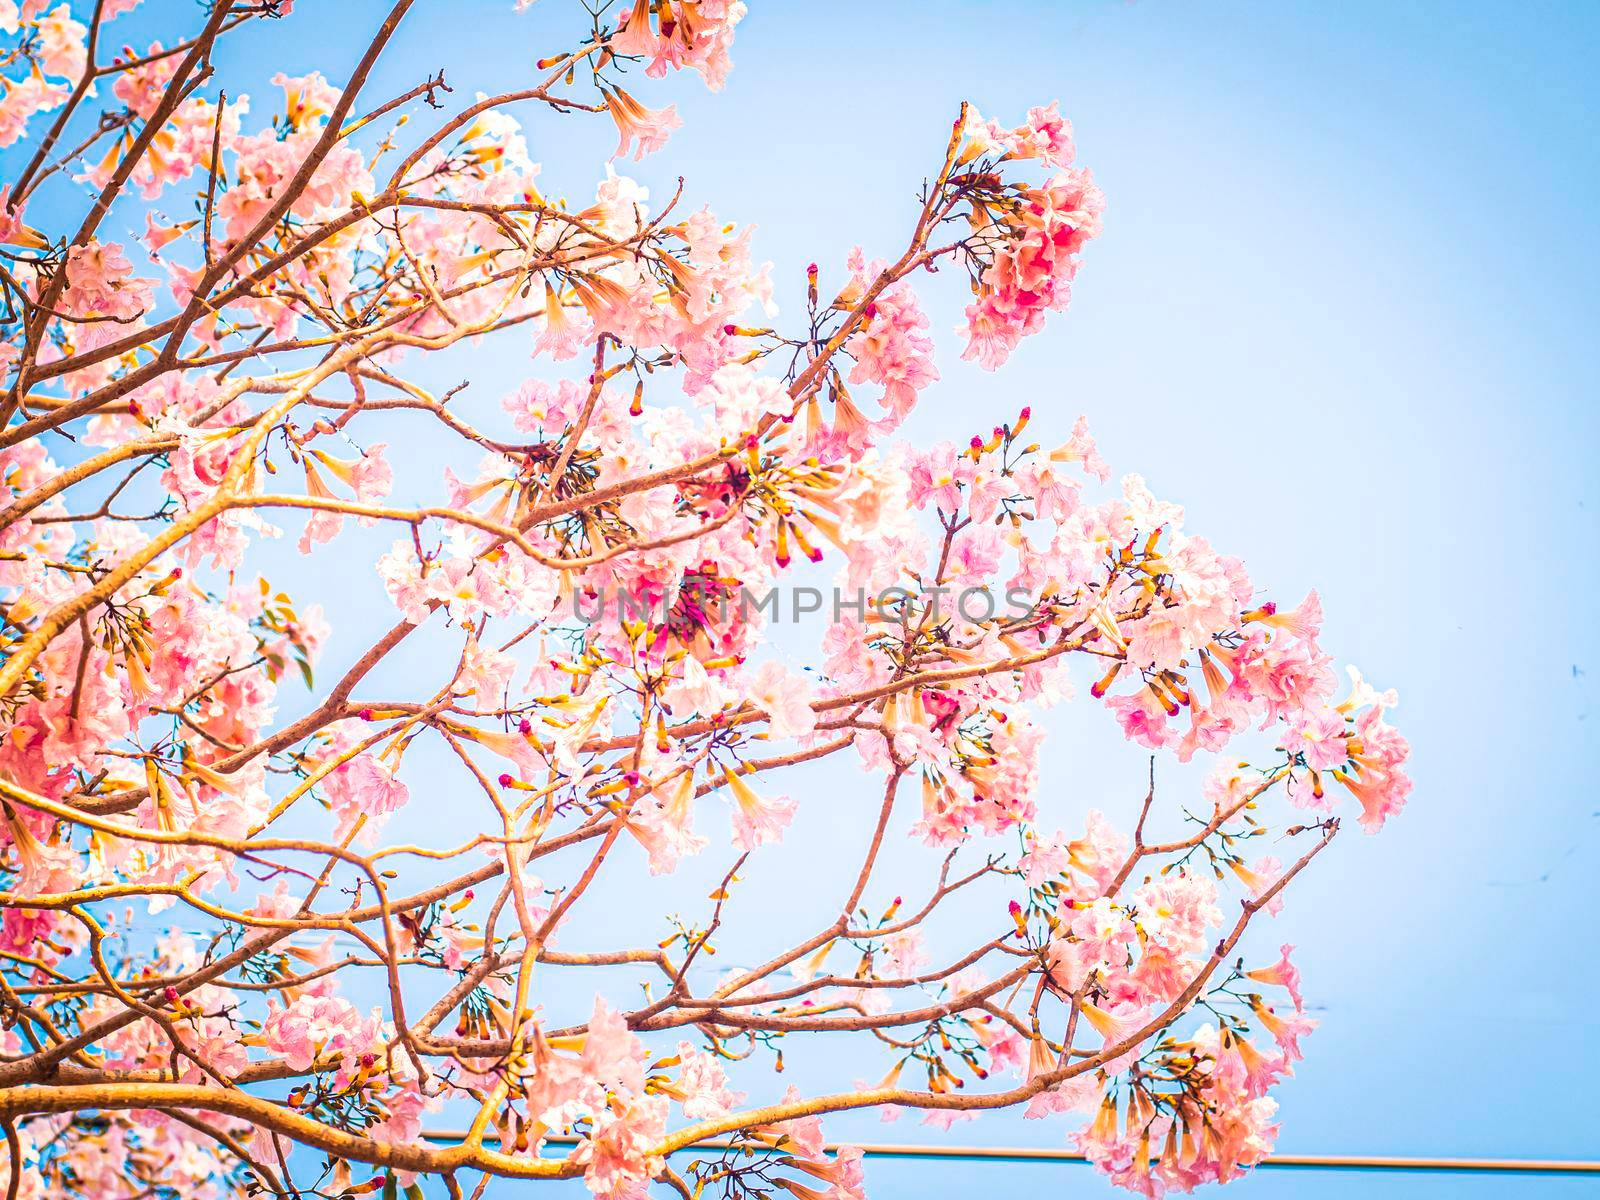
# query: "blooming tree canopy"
218,976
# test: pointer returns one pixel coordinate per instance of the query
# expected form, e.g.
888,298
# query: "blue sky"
1343,310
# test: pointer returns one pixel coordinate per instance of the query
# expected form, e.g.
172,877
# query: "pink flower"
1260,876
1281,676
25,97
313,1026
904,953
1045,135
1142,718
540,407
1282,973
306,97
1100,853
784,696
702,1086
1033,269
1304,622
974,557
42,867
889,347
1178,910
485,675
1080,448
1045,858
650,127
937,476
61,43
618,1155
842,1173
756,822
1286,1030
364,787
371,477
1377,782
561,334
1307,789
12,231
987,492
102,292
1321,736
664,825
634,36
143,88
800,1136
612,1055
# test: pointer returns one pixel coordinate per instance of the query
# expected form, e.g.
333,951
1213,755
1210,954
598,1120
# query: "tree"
218,978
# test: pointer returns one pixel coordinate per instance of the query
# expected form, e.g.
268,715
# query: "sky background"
1343,310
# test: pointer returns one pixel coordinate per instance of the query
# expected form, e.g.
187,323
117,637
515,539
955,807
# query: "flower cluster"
264,931
1028,245
48,58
